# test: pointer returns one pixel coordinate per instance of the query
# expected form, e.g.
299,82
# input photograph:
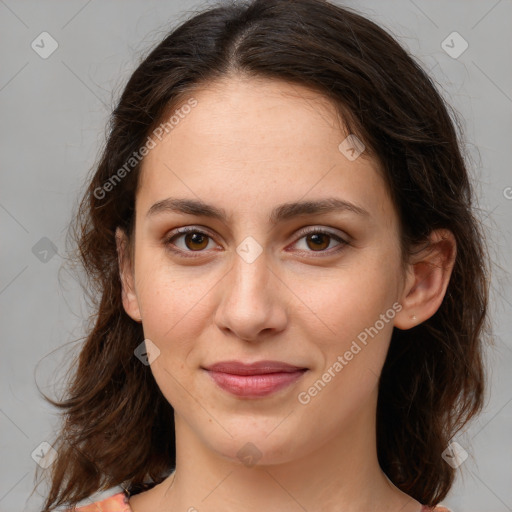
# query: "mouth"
254,380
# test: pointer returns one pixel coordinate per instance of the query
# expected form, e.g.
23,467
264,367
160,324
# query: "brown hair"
119,428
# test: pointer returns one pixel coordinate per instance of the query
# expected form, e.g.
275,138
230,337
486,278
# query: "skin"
248,146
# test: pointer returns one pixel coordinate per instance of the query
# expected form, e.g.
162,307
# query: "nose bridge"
250,266
249,276
249,301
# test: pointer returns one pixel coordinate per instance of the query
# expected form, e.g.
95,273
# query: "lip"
254,380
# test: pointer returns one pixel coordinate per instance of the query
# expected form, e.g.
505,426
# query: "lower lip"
254,386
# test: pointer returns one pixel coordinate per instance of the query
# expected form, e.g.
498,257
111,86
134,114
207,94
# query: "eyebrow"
281,213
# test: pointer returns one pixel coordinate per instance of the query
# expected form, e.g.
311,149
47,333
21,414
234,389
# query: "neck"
342,474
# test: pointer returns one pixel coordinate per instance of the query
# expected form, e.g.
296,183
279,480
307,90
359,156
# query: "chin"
259,447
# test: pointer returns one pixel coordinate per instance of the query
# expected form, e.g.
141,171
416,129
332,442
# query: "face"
263,280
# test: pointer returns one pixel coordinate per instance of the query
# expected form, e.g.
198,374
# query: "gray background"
54,113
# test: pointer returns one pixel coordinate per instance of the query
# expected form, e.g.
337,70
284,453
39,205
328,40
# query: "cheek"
342,305
176,311
352,328
173,299
352,363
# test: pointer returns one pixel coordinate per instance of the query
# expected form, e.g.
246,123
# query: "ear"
427,278
130,301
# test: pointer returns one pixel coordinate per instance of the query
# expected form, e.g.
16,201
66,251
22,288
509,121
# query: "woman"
292,285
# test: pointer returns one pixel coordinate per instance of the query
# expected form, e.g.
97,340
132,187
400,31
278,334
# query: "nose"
252,303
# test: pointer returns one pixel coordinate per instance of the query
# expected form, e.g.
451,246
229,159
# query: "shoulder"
113,500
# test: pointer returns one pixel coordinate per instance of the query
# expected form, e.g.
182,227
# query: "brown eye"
319,241
188,240
196,241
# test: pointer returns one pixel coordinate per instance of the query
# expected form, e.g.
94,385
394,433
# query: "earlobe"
129,297
428,276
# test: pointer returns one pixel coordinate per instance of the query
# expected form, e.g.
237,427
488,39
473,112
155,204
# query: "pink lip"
254,380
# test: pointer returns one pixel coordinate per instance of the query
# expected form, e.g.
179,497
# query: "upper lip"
257,368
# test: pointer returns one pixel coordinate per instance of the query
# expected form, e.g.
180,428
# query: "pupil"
317,238
195,238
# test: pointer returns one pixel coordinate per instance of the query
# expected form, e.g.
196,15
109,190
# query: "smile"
254,380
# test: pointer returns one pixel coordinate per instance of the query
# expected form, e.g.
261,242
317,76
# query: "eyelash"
303,233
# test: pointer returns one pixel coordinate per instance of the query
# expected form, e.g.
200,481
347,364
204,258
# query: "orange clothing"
119,503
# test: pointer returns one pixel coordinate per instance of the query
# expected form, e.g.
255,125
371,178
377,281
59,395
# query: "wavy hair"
117,426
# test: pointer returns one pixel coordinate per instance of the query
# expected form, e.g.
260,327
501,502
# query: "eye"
319,240
194,240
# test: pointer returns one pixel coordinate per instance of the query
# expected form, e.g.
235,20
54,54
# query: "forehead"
256,141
